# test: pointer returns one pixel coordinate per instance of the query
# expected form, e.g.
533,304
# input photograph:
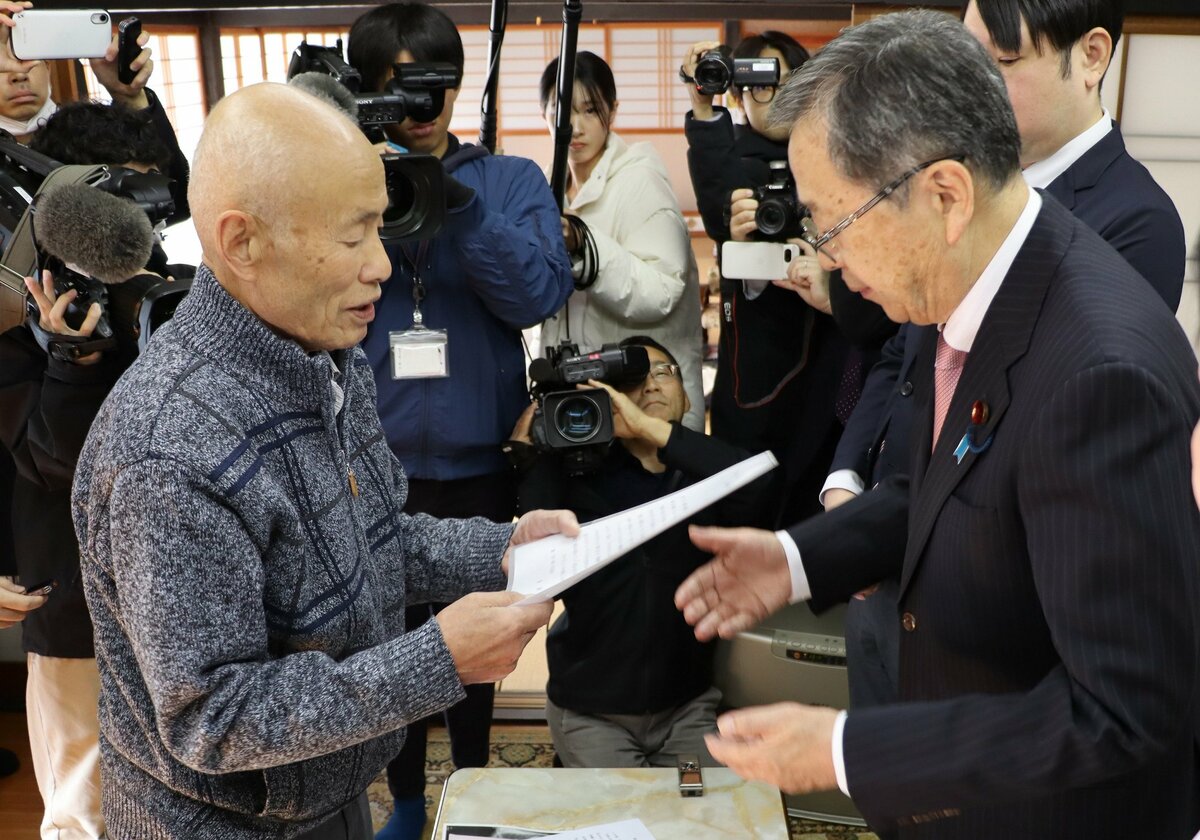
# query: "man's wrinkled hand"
485,633
537,524
745,582
786,745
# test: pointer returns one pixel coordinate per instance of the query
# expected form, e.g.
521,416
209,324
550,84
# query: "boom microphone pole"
572,14
487,109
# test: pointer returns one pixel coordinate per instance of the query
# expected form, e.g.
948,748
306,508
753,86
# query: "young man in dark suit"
1053,58
1046,549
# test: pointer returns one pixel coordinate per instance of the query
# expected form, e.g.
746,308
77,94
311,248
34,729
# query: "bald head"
264,151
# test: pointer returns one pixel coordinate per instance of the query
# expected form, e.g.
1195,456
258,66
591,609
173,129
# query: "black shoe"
8,762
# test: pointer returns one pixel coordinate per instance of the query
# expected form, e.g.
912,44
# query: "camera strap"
67,348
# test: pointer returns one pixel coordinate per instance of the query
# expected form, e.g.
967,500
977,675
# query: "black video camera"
415,183
132,310
779,211
578,424
717,71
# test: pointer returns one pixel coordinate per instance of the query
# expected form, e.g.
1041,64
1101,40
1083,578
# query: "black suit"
1050,658
1113,195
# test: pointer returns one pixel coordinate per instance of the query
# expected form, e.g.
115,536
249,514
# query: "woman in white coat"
634,267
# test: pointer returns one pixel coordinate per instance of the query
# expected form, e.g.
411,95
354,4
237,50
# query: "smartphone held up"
43,34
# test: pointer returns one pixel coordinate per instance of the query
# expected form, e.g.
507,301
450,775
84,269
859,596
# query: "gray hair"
903,89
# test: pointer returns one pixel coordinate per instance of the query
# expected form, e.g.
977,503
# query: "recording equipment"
97,233
415,90
564,92
60,33
416,184
575,423
779,211
326,87
717,71
128,32
758,260
97,244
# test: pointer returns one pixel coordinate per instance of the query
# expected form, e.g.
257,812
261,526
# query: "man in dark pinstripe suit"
1048,547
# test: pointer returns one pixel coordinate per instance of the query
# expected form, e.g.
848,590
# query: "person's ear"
1094,52
242,241
949,189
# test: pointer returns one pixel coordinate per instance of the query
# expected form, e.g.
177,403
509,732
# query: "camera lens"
101,18
577,419
771,217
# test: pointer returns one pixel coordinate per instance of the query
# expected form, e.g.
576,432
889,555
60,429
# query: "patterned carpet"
529,746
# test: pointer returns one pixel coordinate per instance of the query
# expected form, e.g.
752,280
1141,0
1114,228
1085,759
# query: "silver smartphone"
60,33
759,260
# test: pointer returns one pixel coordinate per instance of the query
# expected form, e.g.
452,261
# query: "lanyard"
419,291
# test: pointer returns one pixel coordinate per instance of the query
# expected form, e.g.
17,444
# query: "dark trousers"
351,823
469,721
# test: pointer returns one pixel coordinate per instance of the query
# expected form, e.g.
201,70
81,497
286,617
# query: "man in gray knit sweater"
245,554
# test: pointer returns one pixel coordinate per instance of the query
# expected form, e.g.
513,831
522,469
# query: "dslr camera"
415,183
779,211
717,71
578,424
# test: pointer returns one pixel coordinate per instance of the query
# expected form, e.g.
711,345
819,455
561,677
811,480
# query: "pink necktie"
947,367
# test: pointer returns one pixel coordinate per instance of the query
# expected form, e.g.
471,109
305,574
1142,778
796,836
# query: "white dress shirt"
959,332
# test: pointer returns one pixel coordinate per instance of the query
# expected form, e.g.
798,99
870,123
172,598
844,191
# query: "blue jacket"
497,267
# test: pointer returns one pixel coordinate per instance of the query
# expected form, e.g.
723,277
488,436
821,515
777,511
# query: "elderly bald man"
244,550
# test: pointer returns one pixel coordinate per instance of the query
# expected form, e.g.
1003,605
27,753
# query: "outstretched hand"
745,582
785,744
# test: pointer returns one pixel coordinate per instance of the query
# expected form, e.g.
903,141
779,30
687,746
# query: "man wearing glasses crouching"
630,686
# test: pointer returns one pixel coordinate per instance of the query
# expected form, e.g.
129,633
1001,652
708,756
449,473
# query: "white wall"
1160,118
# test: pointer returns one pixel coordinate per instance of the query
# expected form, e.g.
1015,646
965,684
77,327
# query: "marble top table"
559,799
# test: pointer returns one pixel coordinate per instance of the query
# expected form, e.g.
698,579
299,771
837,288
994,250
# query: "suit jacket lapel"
1002,340
1085,172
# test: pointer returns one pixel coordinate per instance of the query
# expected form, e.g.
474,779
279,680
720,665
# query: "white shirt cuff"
800,588
842,480
839,757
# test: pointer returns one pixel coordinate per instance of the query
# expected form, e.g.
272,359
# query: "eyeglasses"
660,372
762,94
820,241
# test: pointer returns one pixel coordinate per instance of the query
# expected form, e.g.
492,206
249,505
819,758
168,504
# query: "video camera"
779,211
578,424
717,71
415,183
92,234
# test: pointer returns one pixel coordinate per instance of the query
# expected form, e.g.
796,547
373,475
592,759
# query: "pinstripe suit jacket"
1050,584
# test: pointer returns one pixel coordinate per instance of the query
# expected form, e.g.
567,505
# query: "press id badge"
419,353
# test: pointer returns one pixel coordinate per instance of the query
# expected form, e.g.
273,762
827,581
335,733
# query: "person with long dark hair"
635,272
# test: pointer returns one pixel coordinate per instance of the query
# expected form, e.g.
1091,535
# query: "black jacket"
46,409
780,362
622,647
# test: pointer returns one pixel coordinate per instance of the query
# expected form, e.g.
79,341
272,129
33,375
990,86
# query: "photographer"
497,267
780,361
25,104
629,684
635,270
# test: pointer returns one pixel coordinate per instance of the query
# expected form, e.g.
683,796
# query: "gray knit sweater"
248,606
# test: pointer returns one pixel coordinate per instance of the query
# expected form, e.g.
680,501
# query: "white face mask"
19,129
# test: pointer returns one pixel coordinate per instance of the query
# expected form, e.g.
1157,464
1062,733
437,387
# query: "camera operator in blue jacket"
450,394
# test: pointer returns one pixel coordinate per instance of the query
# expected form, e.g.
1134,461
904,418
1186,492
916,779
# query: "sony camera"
415,183
88,237
575,423
779,211
717,71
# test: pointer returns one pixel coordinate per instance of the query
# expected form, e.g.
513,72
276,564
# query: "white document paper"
545,567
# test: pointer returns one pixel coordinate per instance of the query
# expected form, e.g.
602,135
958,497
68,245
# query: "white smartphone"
60,33
758,260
